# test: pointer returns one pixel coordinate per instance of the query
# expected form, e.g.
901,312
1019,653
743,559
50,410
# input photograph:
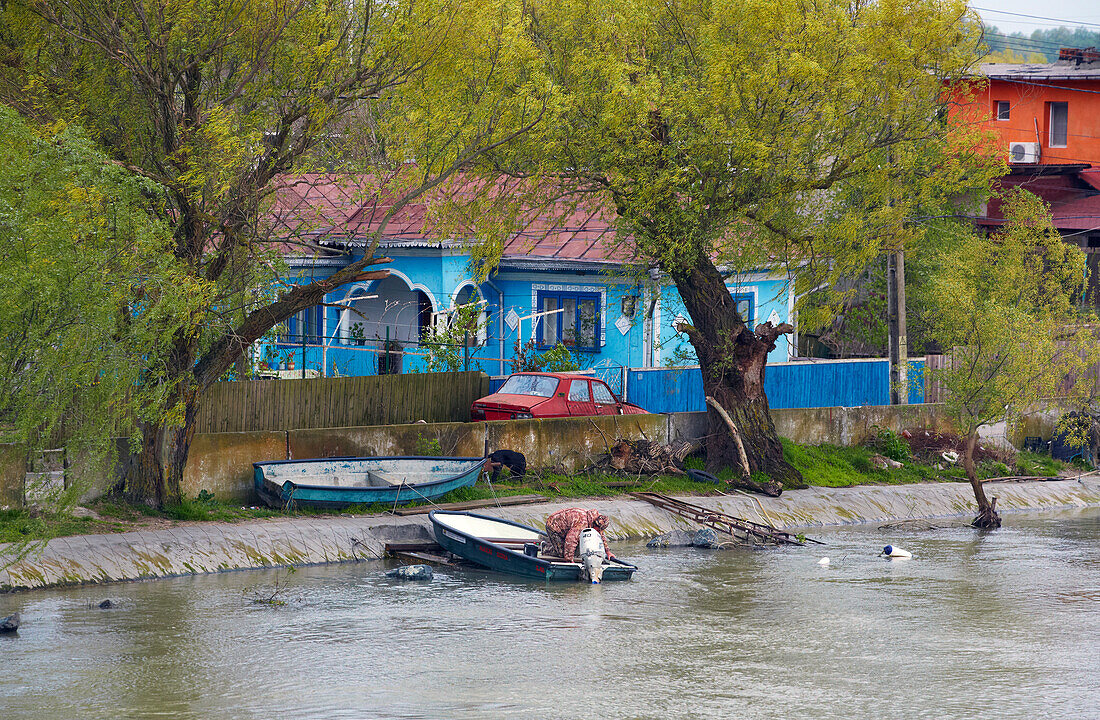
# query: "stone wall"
221,463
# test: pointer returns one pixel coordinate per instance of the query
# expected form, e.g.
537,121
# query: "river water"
1003,624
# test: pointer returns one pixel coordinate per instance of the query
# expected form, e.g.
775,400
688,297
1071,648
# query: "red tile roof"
344,211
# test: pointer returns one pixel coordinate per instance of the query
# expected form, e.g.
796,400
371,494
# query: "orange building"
1043,114
1046,119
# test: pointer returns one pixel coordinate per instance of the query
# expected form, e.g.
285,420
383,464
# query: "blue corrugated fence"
823,383
808,383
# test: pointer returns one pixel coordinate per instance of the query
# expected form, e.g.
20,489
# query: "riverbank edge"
199,548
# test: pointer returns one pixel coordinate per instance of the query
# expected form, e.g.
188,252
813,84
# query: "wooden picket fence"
934,391
340,402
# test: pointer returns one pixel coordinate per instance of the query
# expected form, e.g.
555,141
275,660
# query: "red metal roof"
1081,214
1072,195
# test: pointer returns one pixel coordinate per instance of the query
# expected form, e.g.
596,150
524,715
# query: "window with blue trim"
573,319
746,306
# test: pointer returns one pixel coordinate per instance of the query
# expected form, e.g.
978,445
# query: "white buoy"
895,552
823,561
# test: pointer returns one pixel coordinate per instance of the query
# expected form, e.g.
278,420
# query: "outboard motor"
591,552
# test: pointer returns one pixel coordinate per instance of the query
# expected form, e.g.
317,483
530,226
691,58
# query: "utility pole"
899,344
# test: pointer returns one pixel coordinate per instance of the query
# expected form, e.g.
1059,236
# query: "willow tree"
216,103
748,135
87,285
1006,309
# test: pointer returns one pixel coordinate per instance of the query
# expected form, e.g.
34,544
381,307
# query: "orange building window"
1003,109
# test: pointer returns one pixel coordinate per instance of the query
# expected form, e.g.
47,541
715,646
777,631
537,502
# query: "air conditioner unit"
1024,153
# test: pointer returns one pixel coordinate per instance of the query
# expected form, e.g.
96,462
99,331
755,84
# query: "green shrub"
889,443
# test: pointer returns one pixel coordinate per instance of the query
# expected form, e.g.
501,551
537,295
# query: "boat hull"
342,482
452,532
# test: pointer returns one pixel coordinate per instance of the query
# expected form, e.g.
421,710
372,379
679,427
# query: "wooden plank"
440,560
474,504
425,546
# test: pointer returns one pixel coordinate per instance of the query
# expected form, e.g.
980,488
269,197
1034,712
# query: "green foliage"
89,291
427,447
681,357
888,443
745,133
1005,308
219,106
446,341
1029,463
527,358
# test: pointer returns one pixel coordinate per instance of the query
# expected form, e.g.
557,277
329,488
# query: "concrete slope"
214,547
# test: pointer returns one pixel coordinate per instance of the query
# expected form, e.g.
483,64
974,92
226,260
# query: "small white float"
823,561
895,552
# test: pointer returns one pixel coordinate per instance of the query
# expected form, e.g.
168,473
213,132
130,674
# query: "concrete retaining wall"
221,463
451,439
821,426
570,444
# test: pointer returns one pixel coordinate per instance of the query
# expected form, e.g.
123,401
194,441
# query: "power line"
1033,17
1017,38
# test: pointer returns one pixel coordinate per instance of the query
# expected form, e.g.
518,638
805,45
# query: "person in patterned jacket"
564,527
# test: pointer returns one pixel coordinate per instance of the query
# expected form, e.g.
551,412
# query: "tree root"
988,519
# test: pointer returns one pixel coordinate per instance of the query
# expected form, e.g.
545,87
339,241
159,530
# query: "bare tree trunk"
732,359
987,510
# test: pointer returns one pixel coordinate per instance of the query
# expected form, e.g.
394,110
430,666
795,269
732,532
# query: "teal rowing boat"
340,482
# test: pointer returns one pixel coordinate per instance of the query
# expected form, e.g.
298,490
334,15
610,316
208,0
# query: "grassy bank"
822,465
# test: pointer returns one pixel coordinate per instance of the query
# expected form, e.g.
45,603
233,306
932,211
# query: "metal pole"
903,340
466,352
899,345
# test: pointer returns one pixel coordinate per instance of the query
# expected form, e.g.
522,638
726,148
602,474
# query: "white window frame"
1051,129
1004,110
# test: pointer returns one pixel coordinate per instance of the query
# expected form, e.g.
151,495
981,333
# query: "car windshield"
537,385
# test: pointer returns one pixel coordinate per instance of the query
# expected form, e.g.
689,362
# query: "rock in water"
106,605
676,538
10,624
706,538
411,572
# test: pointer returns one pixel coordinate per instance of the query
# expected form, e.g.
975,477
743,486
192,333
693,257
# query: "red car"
527,395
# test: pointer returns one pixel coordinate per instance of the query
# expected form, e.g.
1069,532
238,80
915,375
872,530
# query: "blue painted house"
567,282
